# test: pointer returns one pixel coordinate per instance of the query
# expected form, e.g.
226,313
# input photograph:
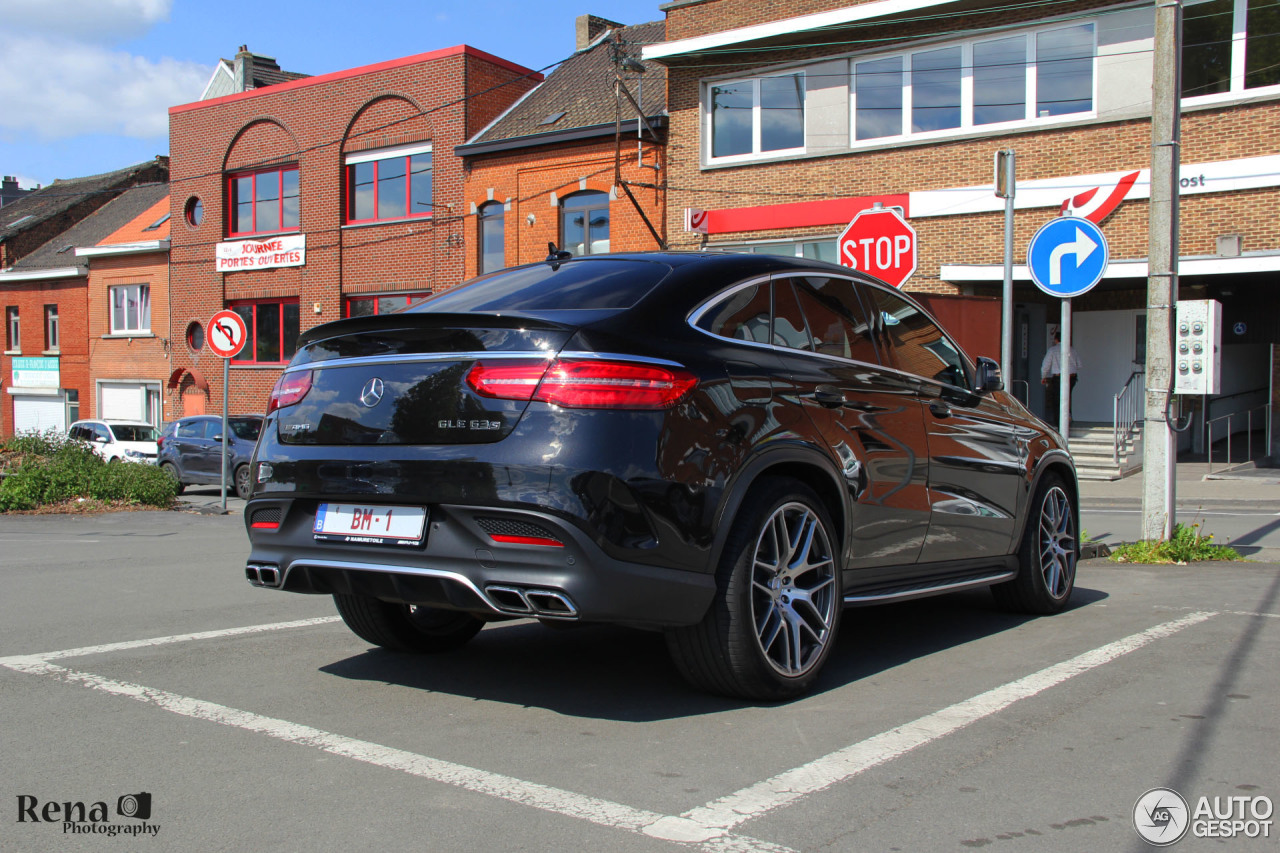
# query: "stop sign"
879,242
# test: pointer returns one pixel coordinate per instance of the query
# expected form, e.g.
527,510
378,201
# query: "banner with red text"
288,251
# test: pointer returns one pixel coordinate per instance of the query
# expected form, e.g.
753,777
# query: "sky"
85,85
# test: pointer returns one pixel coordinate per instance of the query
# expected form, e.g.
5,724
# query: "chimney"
589,27
10,184
244,70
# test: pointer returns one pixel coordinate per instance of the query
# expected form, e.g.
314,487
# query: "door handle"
941,410
829,396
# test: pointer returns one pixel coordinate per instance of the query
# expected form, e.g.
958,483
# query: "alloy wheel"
793,589
1057,542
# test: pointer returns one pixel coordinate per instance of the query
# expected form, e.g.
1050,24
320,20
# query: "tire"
243,485
172,470
404,627
1047,556
777,608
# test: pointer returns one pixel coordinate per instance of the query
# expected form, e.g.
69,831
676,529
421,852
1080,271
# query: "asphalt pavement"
138,667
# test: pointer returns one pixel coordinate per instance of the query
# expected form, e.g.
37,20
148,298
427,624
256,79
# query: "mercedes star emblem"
371,394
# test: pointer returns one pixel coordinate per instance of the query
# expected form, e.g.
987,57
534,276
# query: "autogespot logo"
1160,816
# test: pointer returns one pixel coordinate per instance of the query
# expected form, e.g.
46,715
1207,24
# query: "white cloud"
88,20
59,88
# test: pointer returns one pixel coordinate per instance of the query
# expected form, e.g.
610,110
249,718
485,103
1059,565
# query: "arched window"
492,240
584,223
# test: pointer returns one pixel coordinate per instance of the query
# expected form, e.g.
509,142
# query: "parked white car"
118,441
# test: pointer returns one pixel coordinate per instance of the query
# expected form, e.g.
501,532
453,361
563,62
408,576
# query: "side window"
102,432
836,317
744,316
191,429
916,345
789,328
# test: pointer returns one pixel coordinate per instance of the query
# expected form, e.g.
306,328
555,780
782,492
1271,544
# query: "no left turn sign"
227,334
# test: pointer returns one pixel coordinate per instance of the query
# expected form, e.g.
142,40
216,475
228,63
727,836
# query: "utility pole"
1006,182
1159,445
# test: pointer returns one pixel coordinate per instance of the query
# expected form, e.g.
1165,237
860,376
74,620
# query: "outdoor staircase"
1092,447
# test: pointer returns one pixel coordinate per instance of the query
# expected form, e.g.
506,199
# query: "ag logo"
1161,817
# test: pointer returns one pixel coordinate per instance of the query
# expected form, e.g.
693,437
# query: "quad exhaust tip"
542,603
263,574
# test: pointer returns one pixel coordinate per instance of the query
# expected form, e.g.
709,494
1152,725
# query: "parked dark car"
729,448
191,447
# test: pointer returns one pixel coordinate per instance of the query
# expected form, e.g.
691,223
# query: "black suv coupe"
729,448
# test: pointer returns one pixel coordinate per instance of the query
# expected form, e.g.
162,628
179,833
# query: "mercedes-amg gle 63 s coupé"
729,448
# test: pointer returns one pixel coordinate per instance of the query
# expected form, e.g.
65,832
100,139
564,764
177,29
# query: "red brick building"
573,163
48,343
317,198
128,316
793,117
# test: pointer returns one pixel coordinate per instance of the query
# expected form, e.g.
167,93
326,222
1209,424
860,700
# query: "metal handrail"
1220,398
1127,412
1248,413
1025,398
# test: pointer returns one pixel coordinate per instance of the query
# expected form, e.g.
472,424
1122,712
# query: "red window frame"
349,188
232,202
286,339
376,299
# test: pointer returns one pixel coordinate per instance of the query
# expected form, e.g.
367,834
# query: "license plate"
370,524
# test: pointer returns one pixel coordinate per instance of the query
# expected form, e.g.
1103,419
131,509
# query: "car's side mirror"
989,378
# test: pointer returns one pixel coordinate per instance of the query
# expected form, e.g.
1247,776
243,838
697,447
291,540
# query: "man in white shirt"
1051,376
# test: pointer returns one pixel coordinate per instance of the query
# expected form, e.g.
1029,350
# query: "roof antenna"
555,256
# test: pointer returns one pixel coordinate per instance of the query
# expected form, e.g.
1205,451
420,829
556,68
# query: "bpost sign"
879,242
288,251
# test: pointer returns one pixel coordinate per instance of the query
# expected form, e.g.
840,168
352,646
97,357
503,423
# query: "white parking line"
708,826
754,801
544,797
184,638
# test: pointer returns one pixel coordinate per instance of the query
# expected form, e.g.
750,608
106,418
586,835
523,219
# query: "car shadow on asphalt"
612,673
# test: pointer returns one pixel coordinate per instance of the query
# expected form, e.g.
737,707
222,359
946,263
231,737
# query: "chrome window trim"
707,304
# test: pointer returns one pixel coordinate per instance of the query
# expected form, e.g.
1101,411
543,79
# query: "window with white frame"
51,328
1027,77
130,309
12,330
1229,46
391,183
762,115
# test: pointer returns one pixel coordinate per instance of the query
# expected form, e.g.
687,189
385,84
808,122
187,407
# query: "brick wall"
528,178
73,354
1207,135
442,97
139,357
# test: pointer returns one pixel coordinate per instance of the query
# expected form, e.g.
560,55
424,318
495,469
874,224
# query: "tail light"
290,389
583,383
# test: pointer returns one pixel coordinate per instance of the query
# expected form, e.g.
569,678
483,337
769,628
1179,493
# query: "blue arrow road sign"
1067,256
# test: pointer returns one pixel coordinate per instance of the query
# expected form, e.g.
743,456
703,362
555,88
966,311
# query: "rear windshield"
246,428
572,285
129,432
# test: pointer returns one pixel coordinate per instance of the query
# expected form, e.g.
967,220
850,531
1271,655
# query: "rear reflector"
290,389
507,539
265,525
583,383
